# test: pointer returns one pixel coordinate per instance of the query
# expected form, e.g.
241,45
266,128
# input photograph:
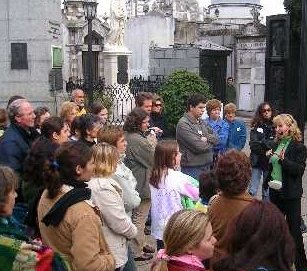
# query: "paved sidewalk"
145,266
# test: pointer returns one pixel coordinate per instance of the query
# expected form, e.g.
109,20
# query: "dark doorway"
213,65
94,65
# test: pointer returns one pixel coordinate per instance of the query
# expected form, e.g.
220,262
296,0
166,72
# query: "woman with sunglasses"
261,140
287,166
157,118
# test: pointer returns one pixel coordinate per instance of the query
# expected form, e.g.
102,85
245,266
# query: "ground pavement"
145,266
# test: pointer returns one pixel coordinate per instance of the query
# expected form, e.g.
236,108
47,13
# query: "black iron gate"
213,65
277,59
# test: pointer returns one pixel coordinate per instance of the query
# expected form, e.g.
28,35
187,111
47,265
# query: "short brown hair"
233,172
110,134
141,97
97,108
212,104
134,120
3,116
230,108
8,182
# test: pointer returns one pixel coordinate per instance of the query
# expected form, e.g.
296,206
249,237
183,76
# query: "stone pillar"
111,65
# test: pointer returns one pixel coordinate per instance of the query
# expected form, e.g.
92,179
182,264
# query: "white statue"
118,22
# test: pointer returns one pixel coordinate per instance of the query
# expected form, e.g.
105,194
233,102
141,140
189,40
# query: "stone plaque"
19,59
122,67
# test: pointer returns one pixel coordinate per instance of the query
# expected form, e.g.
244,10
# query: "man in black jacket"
18,138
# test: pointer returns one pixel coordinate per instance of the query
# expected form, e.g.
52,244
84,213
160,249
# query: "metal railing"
119,99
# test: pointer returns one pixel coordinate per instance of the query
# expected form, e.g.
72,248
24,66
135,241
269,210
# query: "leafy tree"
175,91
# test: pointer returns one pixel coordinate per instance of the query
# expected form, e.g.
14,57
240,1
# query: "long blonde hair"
294,131
105,159
184,231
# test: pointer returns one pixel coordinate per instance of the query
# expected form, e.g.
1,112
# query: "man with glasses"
17,139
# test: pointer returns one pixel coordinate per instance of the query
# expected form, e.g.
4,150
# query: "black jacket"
14,146
261,140
293,167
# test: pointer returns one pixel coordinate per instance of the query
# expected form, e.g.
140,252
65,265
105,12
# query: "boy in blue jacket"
237,128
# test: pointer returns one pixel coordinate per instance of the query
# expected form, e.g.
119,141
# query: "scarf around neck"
187,258
276,166
78,193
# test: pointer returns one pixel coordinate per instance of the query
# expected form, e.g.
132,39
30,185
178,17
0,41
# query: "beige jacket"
118,228
78,237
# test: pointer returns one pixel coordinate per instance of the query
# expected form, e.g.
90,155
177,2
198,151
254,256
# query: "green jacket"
140,159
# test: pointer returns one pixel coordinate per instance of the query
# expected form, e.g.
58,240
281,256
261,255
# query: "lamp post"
90,10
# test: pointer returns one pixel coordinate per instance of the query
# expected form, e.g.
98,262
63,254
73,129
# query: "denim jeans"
195,171
257,173
130,265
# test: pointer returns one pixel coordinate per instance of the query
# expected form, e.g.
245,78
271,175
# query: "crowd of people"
78,193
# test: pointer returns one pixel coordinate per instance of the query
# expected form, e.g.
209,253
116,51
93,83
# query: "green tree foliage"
175,92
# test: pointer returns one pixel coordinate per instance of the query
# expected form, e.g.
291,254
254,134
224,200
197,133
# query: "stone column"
111,65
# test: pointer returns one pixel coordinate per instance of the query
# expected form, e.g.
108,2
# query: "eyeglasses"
266,110
157,105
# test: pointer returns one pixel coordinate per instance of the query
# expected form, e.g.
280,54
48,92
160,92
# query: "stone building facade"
232,27
75,42
30,49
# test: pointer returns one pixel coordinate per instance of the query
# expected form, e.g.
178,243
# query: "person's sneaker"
143,257
276,185
148,249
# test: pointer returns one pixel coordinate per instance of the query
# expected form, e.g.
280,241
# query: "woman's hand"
269,153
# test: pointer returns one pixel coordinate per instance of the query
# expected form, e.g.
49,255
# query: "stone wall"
163,61
36,23
144,32
250,72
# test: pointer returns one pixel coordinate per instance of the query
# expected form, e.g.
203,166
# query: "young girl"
108,196
188,241
167,186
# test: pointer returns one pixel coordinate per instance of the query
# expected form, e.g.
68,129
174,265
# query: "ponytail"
52,180
159,265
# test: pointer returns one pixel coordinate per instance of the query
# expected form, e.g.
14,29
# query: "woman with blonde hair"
287,166
108,196
68,112
188,241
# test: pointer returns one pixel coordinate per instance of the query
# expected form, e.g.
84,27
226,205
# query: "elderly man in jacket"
195,138
18,138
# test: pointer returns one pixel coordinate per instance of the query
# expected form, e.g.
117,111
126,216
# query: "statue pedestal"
116,65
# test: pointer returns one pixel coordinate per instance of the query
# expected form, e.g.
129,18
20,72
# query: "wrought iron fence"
140,84
119,99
